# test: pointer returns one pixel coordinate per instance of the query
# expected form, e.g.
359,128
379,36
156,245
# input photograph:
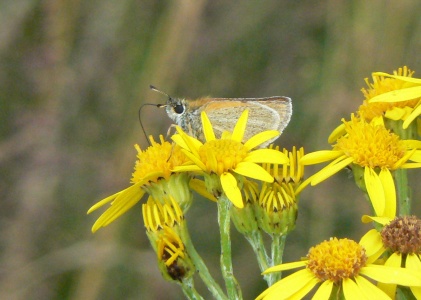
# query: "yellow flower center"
370,145
157,161
220,156
403,235
336,259
383,85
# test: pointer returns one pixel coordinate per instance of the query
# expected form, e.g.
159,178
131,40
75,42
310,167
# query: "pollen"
380,86
370,145
336,260
220,156
159,159
403,235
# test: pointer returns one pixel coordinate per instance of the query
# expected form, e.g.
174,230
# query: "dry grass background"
73,75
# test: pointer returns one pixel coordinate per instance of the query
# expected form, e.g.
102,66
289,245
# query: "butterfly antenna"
161,92
140,119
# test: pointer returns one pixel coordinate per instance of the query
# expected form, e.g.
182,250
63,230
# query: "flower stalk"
224,221
277,247
201,267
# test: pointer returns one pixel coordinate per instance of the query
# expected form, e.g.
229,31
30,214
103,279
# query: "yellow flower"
152,175
277,204
397,95
165,224
373,152
402,237
228,158
339,266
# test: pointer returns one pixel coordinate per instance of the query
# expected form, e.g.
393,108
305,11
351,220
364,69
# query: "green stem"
277,247
256,241
200,265
233,288
403,192
189,290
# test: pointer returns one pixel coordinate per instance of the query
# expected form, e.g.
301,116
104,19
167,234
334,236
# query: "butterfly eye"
179,108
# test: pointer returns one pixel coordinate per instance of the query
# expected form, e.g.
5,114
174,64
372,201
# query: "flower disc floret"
336,260
403,235
370,145
220,156
157,161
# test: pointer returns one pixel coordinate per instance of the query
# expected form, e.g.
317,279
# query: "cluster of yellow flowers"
258,190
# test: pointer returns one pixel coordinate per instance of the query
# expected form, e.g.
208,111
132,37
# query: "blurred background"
73,75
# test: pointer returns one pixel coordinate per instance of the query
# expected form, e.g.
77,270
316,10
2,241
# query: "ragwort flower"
165,224
224,161
340,266
401,238
398,95
277,204
153,174
372,152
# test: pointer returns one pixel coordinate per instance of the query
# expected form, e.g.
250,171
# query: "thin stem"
403,192
256,241
203,271
189,291
233,288
277,247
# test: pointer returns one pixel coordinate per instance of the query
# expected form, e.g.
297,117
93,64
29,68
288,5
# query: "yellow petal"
207,127
369,290
304,184
392,275
287,287
305,289
194,158
120,205
411,166
375,190
403,159
412,144
240,127
260,138
252,170
189,168
320,156
389,193
398,113
394,260
372,242
415,113
324,291
351,289
331,169
190,143
105,201
413,262
286,266
179,141
380,220
336,133
416,290
416,156
398,95
231,190
270,156
403,78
